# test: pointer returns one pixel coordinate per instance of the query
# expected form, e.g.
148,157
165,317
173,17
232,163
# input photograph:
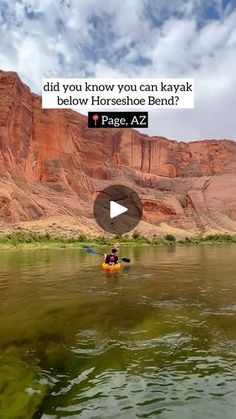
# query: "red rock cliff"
51,164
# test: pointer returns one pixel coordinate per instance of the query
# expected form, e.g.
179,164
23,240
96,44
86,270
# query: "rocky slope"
52,166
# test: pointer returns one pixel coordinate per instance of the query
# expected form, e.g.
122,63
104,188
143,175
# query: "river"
157,339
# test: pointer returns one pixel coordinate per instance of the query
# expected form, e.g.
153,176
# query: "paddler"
112,258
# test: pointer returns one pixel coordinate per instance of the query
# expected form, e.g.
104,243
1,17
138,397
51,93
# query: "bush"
136,235
118,237
103,240
81,238
187,240
126,238
170,238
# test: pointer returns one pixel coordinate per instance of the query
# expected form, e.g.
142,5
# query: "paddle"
93,252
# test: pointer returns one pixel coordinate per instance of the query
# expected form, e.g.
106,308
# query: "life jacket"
112,259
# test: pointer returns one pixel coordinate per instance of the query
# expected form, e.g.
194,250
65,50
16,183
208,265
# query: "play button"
117,209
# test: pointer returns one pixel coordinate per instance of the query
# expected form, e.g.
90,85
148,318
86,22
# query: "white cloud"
148,38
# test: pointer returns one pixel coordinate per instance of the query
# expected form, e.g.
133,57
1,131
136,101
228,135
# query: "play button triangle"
116,209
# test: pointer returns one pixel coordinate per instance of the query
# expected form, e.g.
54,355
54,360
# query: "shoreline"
20,240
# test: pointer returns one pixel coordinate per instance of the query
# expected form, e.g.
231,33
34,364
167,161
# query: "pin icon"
95,118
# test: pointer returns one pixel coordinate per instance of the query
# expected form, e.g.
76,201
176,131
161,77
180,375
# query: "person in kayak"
112,258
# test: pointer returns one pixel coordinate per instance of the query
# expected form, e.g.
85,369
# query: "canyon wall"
52,166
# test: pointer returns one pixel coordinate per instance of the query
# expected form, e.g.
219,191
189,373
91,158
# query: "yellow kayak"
111,268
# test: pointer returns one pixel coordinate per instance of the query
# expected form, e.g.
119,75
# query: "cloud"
190,38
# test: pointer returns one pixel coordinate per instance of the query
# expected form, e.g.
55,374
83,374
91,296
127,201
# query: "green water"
157,339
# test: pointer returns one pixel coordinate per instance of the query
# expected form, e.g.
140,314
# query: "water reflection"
156,338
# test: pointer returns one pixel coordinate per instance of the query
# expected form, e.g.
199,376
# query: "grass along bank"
35,240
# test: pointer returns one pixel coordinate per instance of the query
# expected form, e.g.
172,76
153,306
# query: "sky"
132,38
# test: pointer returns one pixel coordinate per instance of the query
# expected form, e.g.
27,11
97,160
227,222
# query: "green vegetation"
210,238
21,392
170,238
27,239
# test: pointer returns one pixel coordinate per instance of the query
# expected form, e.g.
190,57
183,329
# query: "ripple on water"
169,341
160,391
160,338
174,384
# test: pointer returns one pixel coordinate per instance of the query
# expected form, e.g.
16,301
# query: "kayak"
111,268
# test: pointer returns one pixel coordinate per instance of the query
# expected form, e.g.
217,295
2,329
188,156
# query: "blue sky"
152,38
